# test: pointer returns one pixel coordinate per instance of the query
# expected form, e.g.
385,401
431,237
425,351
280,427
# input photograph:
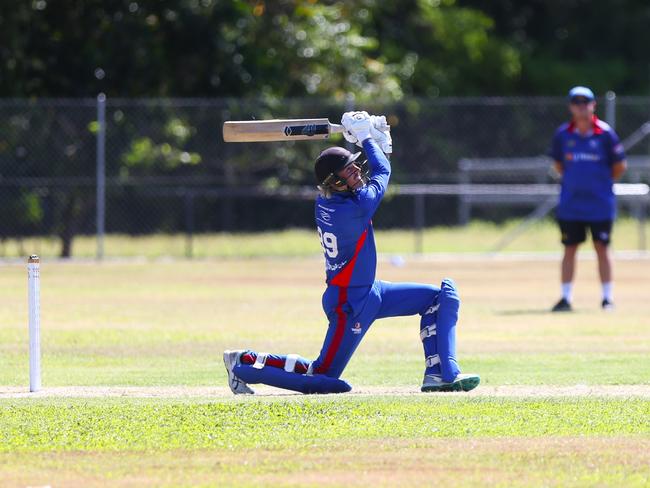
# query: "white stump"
34,292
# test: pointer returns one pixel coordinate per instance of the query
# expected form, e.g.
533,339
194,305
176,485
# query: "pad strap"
260,361
432,360
427,331
290,363
432,309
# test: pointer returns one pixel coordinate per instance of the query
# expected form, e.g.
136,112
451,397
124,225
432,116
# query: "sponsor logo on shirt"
334,267
581,156
356,328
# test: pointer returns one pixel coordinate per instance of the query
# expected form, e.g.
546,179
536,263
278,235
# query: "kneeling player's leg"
438,333
351,312
290,372
439,310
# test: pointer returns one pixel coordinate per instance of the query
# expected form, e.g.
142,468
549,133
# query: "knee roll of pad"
449,299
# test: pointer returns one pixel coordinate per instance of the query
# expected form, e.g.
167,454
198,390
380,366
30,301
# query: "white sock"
567,288
607,291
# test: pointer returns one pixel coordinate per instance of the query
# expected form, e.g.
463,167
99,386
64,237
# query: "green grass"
298,424
167,323
332,441
476,237
160,323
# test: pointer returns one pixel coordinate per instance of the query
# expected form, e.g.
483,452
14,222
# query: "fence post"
610,108
101,173
419,222
464,205
189,223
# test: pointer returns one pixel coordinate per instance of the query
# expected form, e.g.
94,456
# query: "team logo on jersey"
356,328
593,143
570,143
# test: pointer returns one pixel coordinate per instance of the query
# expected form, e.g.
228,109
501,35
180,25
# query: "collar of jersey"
595,128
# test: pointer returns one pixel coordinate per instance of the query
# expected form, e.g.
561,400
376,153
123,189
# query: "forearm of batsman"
375,189
618,169
559,169
378,162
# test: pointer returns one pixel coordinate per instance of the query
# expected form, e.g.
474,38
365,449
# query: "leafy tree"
444,49
562,43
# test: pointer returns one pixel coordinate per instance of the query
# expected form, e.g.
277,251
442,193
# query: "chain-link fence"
159,166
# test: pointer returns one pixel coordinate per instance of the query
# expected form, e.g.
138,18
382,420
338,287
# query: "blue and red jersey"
587,185
345,227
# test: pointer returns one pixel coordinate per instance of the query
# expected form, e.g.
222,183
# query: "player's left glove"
379,131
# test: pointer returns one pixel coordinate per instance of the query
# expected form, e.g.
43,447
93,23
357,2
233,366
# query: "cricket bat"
278,130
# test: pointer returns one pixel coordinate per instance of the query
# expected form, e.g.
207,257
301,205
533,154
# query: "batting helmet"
331,161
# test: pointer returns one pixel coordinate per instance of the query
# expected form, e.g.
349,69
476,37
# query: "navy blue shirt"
345,227
587,185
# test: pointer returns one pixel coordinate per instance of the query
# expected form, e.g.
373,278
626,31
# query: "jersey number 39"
329,243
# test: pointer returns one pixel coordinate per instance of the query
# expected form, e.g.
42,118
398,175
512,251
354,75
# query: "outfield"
151,332
479,236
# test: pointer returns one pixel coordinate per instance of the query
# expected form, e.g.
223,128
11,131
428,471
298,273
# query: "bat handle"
336,128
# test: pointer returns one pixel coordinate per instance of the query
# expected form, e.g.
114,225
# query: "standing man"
589,157
353,298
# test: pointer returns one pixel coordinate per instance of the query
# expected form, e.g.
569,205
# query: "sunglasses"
580,101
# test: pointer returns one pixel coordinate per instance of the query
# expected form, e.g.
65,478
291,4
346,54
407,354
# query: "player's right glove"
358,124
379,131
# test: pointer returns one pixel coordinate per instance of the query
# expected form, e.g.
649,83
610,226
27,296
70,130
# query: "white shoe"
462,382
231,359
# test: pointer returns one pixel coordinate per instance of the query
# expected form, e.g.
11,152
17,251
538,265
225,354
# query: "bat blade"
278,130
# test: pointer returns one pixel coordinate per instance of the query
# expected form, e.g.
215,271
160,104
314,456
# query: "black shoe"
562,306
607,305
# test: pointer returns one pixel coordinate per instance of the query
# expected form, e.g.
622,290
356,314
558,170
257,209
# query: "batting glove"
379,131
358,124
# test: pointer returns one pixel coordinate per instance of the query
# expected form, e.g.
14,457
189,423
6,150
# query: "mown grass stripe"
127,425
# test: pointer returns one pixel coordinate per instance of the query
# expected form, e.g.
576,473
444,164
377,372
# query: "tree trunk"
74,212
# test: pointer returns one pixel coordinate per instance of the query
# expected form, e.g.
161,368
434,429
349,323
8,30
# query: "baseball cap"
581,91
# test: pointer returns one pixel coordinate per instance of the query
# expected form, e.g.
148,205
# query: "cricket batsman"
354,299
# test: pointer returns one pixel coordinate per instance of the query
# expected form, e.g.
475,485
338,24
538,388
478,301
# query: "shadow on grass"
529,311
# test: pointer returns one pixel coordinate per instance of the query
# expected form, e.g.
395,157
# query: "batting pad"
446,329
280,378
